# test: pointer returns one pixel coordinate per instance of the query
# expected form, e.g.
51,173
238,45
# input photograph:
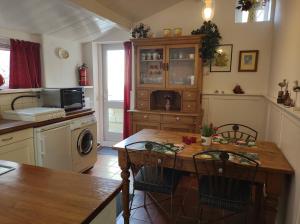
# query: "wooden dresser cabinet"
168,84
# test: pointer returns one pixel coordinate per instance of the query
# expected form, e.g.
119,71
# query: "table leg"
273,189
125,194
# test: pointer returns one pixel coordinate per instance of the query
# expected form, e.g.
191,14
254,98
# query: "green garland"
210,40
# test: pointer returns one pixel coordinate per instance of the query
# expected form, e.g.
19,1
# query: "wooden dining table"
273,171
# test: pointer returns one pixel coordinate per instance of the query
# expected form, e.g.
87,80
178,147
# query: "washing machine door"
85,142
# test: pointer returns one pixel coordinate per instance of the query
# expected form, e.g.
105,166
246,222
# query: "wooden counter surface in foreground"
32,194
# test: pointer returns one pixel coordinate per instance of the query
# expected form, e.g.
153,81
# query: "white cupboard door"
54,148
20,152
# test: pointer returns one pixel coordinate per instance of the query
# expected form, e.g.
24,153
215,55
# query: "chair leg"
145,197
131,200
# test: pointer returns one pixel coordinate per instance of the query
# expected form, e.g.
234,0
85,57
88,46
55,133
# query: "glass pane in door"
182,66
113,89
151,66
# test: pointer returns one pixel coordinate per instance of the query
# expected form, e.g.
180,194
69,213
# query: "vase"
206,141
252,15
168,105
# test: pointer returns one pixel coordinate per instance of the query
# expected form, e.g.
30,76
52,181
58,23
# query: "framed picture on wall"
222,60
248,61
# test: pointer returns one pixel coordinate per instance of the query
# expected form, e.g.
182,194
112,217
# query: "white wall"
243,109
283,128
252,36
286,44
59,72
7,33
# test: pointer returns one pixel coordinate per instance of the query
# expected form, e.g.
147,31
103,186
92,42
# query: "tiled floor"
107,167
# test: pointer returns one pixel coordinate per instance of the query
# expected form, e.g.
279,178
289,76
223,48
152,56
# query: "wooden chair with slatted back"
152,169
225,181
237,132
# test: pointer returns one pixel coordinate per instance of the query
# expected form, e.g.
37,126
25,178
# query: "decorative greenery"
140,31
208,131
246,5
210,40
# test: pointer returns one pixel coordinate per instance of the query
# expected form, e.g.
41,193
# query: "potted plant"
206,134
210,41
251,7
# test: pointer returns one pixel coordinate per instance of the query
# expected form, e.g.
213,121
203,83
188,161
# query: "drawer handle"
142,104
177,118
7,139
145,116
189,95
189,106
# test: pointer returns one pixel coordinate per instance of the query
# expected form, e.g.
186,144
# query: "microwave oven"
66,98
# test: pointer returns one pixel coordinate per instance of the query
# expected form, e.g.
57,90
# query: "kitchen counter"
32,194
7,126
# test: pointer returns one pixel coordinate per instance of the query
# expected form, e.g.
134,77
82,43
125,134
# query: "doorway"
113,93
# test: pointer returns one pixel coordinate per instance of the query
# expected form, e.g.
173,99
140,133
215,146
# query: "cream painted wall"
282,127
60,72
7,33
286,45
252,36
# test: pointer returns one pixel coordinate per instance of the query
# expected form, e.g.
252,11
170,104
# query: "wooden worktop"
32,194
7,126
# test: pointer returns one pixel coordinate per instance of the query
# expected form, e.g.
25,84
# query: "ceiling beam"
99,9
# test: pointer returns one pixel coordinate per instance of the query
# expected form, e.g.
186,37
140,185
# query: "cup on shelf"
167,32
155,56
177,32
180,56
149,56
143,57
191,56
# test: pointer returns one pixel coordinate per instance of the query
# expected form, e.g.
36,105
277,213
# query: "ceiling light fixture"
208,9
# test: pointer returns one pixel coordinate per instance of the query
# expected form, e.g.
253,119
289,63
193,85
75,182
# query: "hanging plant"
140,31
210,40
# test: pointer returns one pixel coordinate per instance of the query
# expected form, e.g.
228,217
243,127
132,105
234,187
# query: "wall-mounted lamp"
208,9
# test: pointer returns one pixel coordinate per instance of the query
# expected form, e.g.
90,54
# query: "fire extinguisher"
83,75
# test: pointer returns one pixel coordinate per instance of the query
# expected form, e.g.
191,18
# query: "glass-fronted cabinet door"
150,66
182,66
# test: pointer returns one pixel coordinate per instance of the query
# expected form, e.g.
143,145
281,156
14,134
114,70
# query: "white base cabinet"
18,147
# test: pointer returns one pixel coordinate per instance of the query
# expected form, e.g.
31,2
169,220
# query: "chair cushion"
156,184
235,198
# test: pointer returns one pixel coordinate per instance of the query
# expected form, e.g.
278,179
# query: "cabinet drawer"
178,127
138,126
142,94
20,152
173,119
142,105
146,117
189,95
16,136
189,107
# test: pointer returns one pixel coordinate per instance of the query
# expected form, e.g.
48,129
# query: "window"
261,14
4,63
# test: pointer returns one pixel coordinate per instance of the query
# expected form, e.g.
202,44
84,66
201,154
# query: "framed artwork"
222,60
248,61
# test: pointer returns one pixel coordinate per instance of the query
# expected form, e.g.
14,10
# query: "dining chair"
153,170
225,181
237,132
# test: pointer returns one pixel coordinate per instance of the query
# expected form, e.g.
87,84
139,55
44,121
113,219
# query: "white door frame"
103,93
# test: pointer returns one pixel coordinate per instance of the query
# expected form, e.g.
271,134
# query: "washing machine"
84,143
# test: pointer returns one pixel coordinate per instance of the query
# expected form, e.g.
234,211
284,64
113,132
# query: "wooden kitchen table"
273,170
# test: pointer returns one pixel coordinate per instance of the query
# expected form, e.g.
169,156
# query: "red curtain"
25,65
127,88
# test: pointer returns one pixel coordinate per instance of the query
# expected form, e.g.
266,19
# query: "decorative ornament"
210,40
140,31
251,6
238,90
296,89
280,98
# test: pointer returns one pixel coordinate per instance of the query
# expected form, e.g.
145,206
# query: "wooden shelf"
183,59
152,60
